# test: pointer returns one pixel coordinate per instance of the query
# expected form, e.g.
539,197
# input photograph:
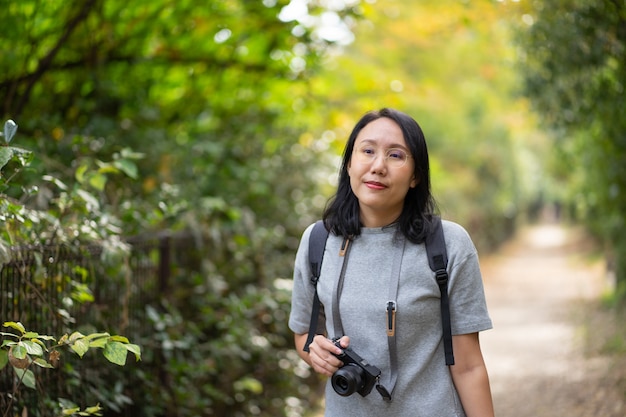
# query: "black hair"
341,215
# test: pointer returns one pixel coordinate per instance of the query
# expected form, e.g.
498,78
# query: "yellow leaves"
89,411
15,325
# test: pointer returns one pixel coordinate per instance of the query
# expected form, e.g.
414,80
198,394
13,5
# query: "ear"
414,182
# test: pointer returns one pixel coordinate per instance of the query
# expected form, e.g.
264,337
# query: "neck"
377,220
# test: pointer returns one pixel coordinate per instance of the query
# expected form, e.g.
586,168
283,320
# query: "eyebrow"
392,146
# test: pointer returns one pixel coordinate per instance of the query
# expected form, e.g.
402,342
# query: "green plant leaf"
15,325
42,363
40,343
117,338
134,349
75,336
31,335
249,384
97,181
5,155
96,336
130,154
80,346
127,167
93,410
19,351
23,155
71,411
26,376
60,184
116,353
32,348
89,199
79,174
99,343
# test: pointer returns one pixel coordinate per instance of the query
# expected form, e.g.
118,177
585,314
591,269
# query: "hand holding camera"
356,374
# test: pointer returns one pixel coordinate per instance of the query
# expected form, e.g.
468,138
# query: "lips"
375,185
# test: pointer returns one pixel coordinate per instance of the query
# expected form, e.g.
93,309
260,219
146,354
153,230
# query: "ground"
555,350
550,351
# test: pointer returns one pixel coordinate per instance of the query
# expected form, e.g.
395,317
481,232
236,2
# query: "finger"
344,341
322,354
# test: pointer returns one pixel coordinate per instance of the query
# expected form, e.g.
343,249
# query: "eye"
396,154
368,151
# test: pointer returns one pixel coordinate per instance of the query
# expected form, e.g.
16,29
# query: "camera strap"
391,311
343,253
391,308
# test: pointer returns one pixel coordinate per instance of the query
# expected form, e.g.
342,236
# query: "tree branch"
45,62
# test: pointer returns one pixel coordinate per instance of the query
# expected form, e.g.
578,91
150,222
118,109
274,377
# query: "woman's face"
379,181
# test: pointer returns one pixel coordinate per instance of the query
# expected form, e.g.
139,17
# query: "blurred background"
213,131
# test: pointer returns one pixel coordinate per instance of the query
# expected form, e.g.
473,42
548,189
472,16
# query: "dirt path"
542,290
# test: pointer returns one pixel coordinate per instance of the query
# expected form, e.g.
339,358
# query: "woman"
383,209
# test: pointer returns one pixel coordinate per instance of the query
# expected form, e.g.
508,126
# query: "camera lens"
347,380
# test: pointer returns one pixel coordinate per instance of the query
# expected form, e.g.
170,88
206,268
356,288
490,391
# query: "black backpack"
437,259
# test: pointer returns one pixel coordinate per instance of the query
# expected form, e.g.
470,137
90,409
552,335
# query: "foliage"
206,92
236,349
28,348
575,76
227,117
451,65
204,104
70,219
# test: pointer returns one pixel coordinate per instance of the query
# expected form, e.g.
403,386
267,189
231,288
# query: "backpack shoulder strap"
438,261
317,245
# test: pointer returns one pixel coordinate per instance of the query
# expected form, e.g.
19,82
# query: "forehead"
383,132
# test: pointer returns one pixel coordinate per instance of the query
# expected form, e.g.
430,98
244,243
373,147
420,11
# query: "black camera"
356,374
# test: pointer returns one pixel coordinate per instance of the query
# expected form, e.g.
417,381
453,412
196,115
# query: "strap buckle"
441,275
391,318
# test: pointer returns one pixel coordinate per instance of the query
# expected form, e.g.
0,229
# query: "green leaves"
115,352
28,347
89,411
7,153
574,72
115,348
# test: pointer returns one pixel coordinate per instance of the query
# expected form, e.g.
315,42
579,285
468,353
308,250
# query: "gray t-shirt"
424,385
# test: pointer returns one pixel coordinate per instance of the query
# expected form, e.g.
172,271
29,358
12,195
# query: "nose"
379,163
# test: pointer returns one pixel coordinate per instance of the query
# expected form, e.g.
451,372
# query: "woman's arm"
469,374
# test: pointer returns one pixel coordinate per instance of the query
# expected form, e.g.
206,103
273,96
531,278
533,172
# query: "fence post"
164,262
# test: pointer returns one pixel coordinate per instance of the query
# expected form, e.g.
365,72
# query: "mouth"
375,185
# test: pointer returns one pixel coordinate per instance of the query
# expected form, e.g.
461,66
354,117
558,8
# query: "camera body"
356,374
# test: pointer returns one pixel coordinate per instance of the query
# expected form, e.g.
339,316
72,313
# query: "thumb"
344,341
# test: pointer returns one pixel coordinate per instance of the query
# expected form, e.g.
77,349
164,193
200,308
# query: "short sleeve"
468,306
303,291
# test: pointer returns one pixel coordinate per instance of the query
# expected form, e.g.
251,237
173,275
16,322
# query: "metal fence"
39,286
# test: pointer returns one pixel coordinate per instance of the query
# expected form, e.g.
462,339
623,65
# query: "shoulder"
456,236
314,236
307,232
318,226
454,230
